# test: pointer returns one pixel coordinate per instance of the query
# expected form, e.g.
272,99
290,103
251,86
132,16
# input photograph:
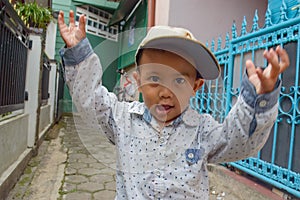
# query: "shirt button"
191,155
157,173
262,103
161,140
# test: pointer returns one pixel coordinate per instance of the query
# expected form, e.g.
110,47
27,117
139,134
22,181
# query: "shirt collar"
189,116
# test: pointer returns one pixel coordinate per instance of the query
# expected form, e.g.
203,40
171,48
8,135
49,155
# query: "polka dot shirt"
169,162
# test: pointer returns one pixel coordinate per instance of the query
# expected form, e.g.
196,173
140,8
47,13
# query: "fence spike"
219,43
227,40
206,44
255,22
212,48
233,30
283,9
268,20
244,26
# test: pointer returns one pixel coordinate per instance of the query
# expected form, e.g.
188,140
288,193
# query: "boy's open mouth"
163,109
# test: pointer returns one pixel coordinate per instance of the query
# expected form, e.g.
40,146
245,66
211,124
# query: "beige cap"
182,42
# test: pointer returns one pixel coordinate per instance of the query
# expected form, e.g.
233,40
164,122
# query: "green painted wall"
130,40
113,55
107,50
109,6
65,105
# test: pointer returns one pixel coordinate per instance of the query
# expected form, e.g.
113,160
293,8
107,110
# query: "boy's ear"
137,78
198,84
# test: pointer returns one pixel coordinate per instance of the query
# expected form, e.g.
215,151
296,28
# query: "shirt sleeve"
246,127
83,74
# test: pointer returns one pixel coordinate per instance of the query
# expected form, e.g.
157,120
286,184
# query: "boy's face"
166,81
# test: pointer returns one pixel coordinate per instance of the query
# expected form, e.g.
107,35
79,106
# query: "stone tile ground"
67,168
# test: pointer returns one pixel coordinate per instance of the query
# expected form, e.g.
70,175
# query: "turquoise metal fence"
278,162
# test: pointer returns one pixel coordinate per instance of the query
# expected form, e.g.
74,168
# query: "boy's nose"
165,92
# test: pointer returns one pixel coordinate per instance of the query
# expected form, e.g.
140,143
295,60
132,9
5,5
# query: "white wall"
50,51
18,131
51,39
162,12
13,141
210,19
31,86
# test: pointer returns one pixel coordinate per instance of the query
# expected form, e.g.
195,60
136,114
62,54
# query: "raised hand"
264,80
71,34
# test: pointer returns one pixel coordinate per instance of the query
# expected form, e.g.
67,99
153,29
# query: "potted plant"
33,15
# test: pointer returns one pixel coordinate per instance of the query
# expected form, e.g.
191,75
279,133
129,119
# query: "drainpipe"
151,13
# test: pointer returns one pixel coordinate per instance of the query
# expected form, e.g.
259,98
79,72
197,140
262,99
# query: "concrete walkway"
68,167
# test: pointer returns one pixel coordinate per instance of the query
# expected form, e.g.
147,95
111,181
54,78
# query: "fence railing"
45,79
278,162
60,92
14,42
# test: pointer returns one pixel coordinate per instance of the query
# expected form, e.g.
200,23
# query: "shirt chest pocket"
192,167
193,156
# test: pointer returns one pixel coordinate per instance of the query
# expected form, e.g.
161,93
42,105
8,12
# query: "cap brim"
193,51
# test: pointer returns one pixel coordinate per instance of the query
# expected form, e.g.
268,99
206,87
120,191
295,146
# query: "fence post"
50,51
229,79
32,86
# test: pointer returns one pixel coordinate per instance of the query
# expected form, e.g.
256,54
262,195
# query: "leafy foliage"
34,15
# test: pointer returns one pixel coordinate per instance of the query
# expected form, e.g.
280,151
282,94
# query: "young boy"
162,145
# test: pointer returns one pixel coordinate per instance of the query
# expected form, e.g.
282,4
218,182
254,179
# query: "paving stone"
77,156
102,178
71,150
108,171
78,165
89,171
81,150
88,160
90,187
105,195
68,144
76,179
72,160
110,185
78,196
97,165
68,187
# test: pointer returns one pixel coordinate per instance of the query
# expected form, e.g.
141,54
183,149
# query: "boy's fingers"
72,20
273,60
61,19
61,24
260,75
250,68
82,23
284,58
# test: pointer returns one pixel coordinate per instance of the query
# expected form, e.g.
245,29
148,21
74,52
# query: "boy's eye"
180,80
154,79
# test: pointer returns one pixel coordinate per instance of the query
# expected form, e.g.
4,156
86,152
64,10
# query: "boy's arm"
83,73
246,127
248,124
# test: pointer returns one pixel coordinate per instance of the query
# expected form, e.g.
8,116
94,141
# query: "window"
97,21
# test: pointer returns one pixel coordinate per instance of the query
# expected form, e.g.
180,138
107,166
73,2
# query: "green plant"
34,15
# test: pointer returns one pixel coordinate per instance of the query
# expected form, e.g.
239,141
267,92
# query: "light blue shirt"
169,162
